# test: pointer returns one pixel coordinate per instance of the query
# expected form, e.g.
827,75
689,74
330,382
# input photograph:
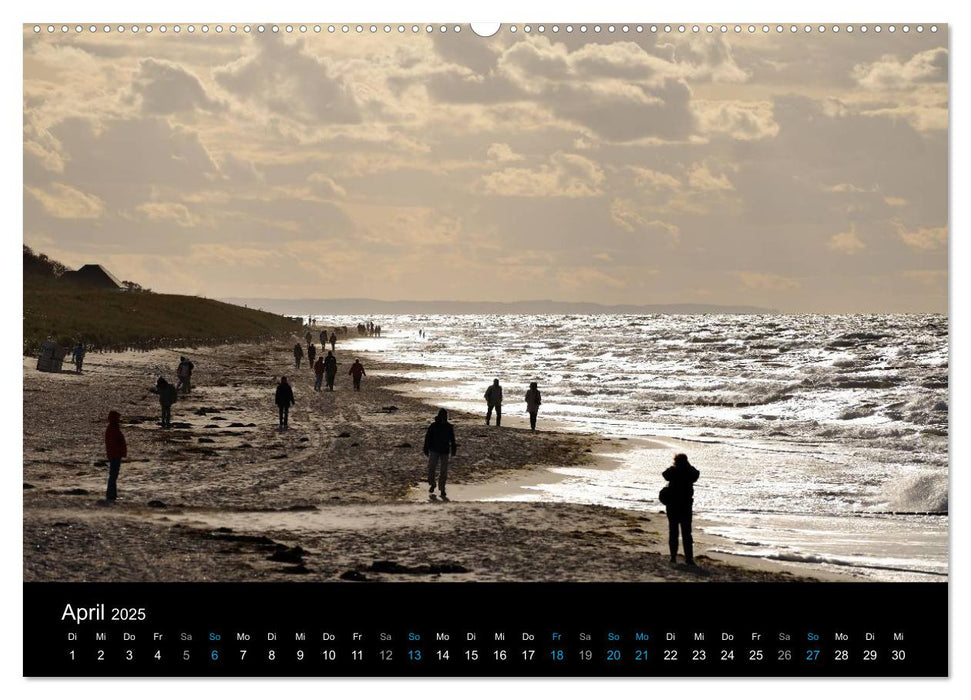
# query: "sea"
822,440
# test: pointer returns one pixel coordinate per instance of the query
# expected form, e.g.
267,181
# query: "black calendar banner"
481,629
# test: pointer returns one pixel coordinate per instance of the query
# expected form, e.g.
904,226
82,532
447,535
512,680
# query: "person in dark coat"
681,477
167,395
311,353
533,401
333,342
356,372
439,444
318,373
116,449
78,356
330,370
284,400
493,397
184,373
297,355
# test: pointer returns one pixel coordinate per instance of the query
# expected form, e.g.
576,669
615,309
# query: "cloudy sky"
804,173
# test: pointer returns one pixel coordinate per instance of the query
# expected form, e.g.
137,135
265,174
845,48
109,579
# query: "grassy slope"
106,319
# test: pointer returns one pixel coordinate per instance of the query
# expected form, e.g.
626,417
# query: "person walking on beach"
297,355
311,353
323,340
681,477
284,400
439,444
333,342
78,356
493,397
184,373
318,373
167,395
116,449
356,372
533,401
308,337
330,369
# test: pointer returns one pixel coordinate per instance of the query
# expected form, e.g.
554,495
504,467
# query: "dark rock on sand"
344,435
157,504
76,492
404,444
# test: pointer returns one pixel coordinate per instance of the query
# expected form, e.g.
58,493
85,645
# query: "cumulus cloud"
325,186
566,175
165,88
923,238
502,153
174,212
66,202
283,79
892,73
846,242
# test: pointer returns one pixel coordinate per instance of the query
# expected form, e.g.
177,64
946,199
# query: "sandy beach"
224,496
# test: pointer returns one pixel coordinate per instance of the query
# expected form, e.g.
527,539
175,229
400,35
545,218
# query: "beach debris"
157,504
393,567
288,555
353,576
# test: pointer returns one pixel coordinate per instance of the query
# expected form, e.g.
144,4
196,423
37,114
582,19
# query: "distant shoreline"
350,306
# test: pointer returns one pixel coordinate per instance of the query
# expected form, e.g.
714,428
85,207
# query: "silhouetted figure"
78,357
330,370
116,449
493,397
533,402
439,444
356,372
297,355
308,337
318,373
284,400
333,342
680,477
323,340
167,395
184,373
311,353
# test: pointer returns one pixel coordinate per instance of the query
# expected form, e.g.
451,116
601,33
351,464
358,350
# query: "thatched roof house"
94,276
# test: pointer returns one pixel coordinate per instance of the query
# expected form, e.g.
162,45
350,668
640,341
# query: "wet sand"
224,496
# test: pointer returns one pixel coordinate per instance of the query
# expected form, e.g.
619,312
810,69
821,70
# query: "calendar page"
522,349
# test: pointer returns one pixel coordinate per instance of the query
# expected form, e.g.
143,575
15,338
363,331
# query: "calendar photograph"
427,304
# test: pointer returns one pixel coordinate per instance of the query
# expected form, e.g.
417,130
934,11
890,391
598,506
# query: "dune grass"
115,320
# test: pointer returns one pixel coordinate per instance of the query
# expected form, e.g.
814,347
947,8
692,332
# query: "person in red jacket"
116,448
357,371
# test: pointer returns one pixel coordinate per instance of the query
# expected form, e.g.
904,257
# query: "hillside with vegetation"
105,319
